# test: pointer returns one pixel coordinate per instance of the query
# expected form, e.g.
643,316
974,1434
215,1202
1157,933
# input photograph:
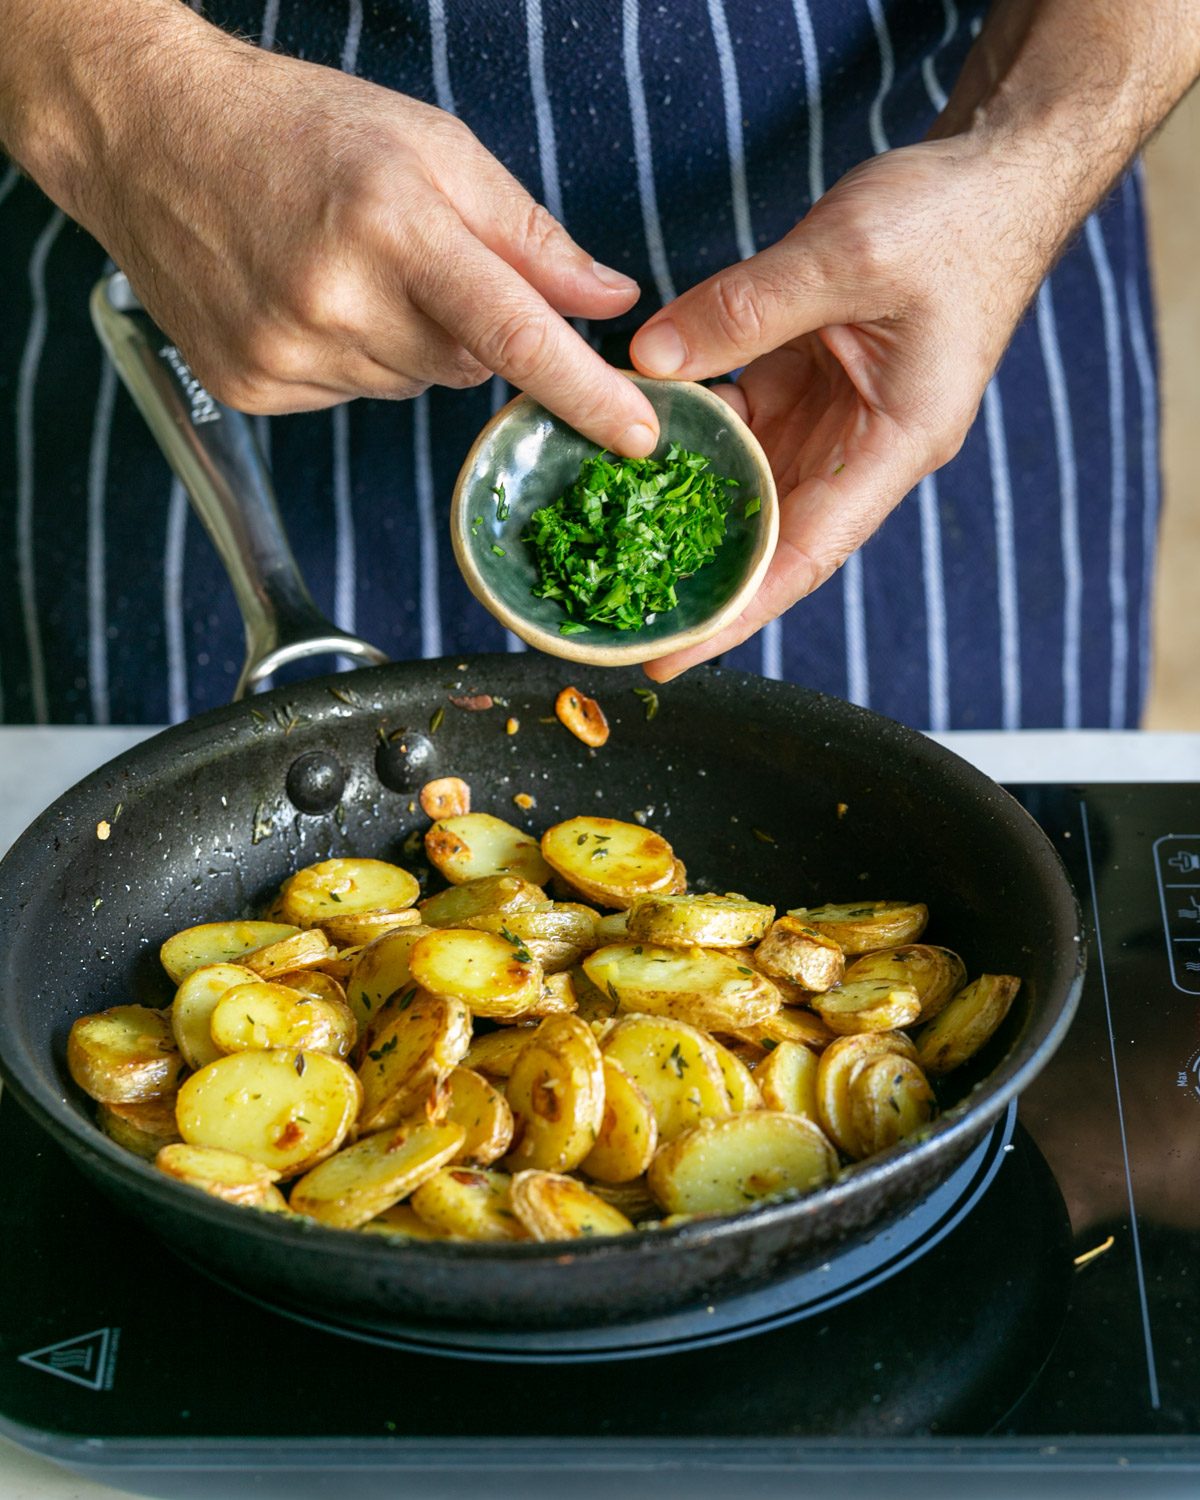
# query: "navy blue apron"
1011,589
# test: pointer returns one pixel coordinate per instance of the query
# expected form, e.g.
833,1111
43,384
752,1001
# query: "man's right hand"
302,235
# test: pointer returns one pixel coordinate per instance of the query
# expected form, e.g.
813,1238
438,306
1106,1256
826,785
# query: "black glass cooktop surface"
1039,1314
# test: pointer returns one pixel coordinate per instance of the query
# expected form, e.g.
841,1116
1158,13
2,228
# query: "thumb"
747,310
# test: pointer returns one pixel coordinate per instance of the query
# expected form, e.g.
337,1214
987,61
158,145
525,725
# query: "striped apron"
1011,589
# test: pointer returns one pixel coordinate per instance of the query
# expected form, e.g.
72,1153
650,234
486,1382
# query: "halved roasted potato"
143,1129
464,1203
698,921
337,887
286,1109
262,1015
556,1093
493,1053
356,928
790,1023
743,1091
613,927
557,934
787,1078
798,953
628,1135
477,845
633,1199
484,1114
936,974
361,1181
223,1174
380,971
193,1006
419,1038
723,1165
890,1099
492,975
479,898
557,997
304,950
868,1005
675,1065
863,926
699,985
837,1067
124,1055
217,943
554,1207
609,861
966,1023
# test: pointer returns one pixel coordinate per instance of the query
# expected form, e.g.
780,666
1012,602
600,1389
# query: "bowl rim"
572,648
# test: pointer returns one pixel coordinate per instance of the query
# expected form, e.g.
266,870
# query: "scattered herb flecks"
614,547
501,502
435,722
650,698
523,955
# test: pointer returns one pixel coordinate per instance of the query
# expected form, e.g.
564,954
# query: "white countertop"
39,764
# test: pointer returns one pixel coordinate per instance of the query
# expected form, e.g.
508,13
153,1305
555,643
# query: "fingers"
490,309
821,522
502,215
746,311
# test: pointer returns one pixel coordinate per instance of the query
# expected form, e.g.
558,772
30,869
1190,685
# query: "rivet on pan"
404,759
316,781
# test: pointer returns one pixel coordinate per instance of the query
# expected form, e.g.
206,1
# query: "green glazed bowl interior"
536,457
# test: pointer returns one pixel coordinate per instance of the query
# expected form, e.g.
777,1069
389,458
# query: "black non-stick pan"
762,787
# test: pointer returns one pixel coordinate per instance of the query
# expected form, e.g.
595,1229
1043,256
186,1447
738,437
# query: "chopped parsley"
614,547
501,502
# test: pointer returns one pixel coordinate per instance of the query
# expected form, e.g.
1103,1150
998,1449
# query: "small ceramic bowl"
535,456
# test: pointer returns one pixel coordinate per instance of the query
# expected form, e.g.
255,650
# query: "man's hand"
305,236
868,334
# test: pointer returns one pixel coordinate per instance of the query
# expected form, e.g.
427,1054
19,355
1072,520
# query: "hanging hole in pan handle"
214,453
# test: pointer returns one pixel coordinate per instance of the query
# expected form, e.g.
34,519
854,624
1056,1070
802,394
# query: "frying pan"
762,787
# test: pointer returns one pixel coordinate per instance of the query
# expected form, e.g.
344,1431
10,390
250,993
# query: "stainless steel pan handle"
213,451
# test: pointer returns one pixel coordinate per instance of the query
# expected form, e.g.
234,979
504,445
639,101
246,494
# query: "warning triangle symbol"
83,1360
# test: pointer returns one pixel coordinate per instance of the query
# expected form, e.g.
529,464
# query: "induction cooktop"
1037,1316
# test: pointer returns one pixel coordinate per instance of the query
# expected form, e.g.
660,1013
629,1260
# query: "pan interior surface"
762,788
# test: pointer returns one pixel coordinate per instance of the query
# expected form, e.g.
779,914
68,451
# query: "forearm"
1063,93
81,81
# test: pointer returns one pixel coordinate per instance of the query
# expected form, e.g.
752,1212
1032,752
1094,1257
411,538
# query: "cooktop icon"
1177,870
88,1359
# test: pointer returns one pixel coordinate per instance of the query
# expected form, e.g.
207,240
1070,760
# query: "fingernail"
638,441
615,279
659,349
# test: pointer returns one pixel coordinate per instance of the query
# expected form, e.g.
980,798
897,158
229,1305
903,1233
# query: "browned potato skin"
446,1031
839,1063
556,1092
936,974
150,1070
890,1098
554,1207
967,1023
800,954
484,1114
869,925
141,1128
628,1135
